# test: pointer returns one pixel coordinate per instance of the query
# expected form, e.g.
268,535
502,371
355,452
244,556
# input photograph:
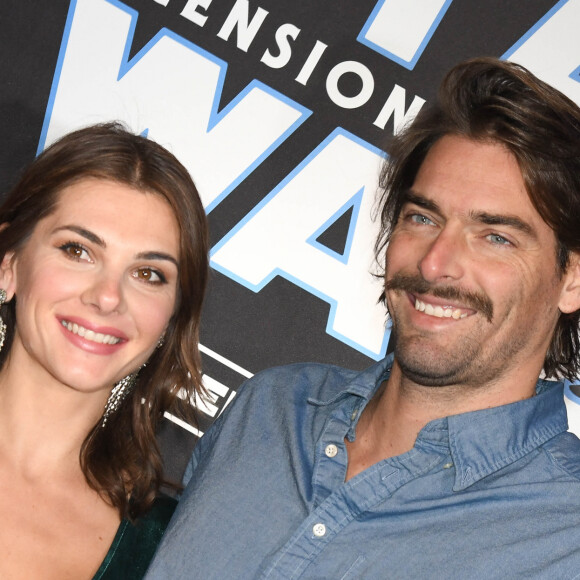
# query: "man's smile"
439,311
460,302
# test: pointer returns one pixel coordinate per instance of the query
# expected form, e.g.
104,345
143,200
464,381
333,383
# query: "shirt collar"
483,442
480,442
363,384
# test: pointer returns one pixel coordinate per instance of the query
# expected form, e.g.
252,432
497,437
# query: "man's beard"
431,368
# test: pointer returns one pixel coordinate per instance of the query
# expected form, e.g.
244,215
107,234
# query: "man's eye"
75,251
498,240
420,219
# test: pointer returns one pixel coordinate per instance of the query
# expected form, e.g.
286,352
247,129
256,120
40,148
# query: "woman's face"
95,285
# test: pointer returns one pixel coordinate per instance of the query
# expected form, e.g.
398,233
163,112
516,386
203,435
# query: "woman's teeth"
90,334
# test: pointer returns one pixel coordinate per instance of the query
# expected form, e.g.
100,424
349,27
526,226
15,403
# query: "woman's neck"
43,423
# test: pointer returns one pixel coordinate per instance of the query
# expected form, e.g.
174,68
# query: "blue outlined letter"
401,29
275,239
171,89
550,48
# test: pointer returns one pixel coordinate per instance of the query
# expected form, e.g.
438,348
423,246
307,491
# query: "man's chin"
430,366
426,375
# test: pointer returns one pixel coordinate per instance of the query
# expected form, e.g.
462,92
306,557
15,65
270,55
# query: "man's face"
471,278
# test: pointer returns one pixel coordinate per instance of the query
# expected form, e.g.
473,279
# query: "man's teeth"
439,311
90,334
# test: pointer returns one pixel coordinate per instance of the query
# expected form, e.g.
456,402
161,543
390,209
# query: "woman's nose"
105,293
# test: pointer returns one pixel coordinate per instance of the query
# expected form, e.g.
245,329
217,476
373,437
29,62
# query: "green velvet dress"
134,544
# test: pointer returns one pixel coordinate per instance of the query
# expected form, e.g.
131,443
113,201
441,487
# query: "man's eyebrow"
415,198
92,237
483,217
504,220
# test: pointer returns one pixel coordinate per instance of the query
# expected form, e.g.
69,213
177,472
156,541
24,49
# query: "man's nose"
444,258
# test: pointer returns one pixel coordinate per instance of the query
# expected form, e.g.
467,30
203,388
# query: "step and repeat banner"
280,109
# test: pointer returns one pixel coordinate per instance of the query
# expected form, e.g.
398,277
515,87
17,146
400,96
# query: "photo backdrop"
280,109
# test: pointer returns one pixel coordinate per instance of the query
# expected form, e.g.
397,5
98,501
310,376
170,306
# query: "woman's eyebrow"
87,234
92,237
157,256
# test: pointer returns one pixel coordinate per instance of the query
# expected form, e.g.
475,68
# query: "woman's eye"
150,276
75,251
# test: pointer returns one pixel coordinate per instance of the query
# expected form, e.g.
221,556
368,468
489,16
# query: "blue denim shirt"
488,494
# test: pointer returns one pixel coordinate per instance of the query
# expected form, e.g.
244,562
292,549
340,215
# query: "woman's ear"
8,275
8,271
570,296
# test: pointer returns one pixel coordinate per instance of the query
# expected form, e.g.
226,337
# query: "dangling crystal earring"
2,323
118,394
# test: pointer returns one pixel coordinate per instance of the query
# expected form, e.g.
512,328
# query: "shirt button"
319,530
331,450
448,465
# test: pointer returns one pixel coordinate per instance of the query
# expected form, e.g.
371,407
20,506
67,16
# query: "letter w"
170,90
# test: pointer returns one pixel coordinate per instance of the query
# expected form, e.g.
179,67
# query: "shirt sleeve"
206,441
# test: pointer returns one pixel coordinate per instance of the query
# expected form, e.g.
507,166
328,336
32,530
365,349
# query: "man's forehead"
481,180
478,175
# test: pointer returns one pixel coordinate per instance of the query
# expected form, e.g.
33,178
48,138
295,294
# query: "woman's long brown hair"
122,460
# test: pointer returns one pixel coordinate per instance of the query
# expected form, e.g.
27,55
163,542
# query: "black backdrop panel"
280,110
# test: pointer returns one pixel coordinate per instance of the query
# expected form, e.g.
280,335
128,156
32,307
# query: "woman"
103,249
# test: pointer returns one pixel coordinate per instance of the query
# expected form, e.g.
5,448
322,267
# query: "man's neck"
400,408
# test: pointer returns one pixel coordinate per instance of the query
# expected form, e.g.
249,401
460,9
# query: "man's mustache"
417,285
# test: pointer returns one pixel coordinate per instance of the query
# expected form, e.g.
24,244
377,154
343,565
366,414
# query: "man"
449,459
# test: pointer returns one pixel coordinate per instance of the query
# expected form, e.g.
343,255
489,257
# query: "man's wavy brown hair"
122,460
493,101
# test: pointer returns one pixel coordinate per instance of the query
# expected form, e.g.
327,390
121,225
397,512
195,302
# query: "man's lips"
440,310
441,297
